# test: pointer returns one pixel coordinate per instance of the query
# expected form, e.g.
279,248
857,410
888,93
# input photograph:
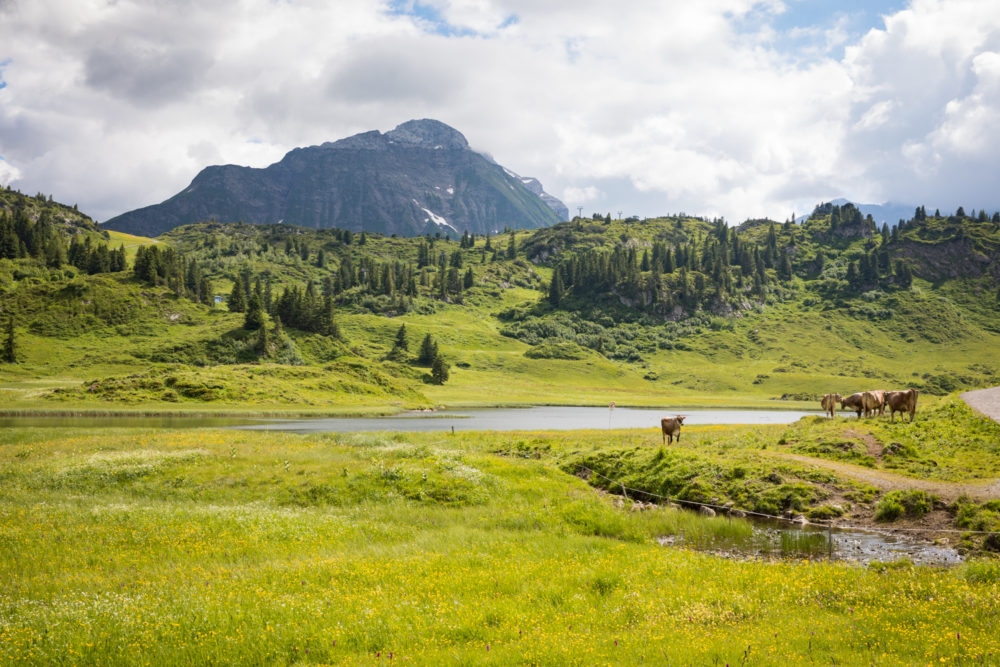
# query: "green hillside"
675,310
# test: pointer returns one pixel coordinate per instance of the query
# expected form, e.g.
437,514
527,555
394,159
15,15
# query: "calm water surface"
541,418
538,418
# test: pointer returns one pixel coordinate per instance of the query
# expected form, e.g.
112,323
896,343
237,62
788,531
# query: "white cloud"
661,108
573,195
8,173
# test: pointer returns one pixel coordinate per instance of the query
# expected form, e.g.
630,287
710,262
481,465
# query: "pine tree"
10,343
237,302
904,276
263,344
254,318
556,289
401,346
428,351
205,290
439,370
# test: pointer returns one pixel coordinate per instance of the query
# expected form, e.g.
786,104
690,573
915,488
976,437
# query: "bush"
913,503
556,349
826,512
888,509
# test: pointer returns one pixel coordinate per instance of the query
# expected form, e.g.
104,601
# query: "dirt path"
986,401
887,481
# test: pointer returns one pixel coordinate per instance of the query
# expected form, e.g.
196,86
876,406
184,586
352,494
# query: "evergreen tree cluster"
156,266
307,311
429,355
302,309
92,258
41,239
699,273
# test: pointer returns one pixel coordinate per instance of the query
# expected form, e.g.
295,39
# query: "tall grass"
198,547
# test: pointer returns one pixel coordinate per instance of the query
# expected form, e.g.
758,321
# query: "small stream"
767,538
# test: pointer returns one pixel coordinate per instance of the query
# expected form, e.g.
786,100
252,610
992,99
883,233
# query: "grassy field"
110,342
206,546
791,351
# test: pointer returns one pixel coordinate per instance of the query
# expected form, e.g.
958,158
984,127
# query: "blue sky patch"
433,22
803,25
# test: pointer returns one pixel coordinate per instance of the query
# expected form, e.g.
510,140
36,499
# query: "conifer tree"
428,351
439,370
237,302
401,346
254,318
556,288
263,344
205,290
904,276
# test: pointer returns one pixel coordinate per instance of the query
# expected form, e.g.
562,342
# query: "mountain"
420,177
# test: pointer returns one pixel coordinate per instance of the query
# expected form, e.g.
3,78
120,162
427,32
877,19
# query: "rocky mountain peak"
418,178
428,133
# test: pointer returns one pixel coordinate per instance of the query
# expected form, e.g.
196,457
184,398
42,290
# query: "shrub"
888,509
826,512
556,349
913,503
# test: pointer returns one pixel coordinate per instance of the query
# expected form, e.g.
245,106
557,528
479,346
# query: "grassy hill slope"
709,331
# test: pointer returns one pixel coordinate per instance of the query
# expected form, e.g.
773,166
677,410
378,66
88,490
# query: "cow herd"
872,402
869,402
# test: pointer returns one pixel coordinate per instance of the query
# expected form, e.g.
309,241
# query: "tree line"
41,240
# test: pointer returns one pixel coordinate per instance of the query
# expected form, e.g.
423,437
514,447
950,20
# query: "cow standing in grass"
901,401
671,428
854,402
874,400
829,404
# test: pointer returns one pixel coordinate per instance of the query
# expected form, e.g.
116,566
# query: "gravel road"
986,401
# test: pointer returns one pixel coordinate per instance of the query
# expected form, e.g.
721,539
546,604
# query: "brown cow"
873,401
901,401
671,428
829,404
879,395
854,402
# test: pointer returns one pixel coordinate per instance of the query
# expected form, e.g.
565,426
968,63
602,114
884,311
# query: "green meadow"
195,546
675,314
227,547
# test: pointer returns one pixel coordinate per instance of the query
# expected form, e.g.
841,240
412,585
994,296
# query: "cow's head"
680,420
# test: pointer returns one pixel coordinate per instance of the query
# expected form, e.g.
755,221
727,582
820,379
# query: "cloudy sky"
739,108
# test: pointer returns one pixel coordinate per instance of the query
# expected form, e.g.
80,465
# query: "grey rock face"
420,177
